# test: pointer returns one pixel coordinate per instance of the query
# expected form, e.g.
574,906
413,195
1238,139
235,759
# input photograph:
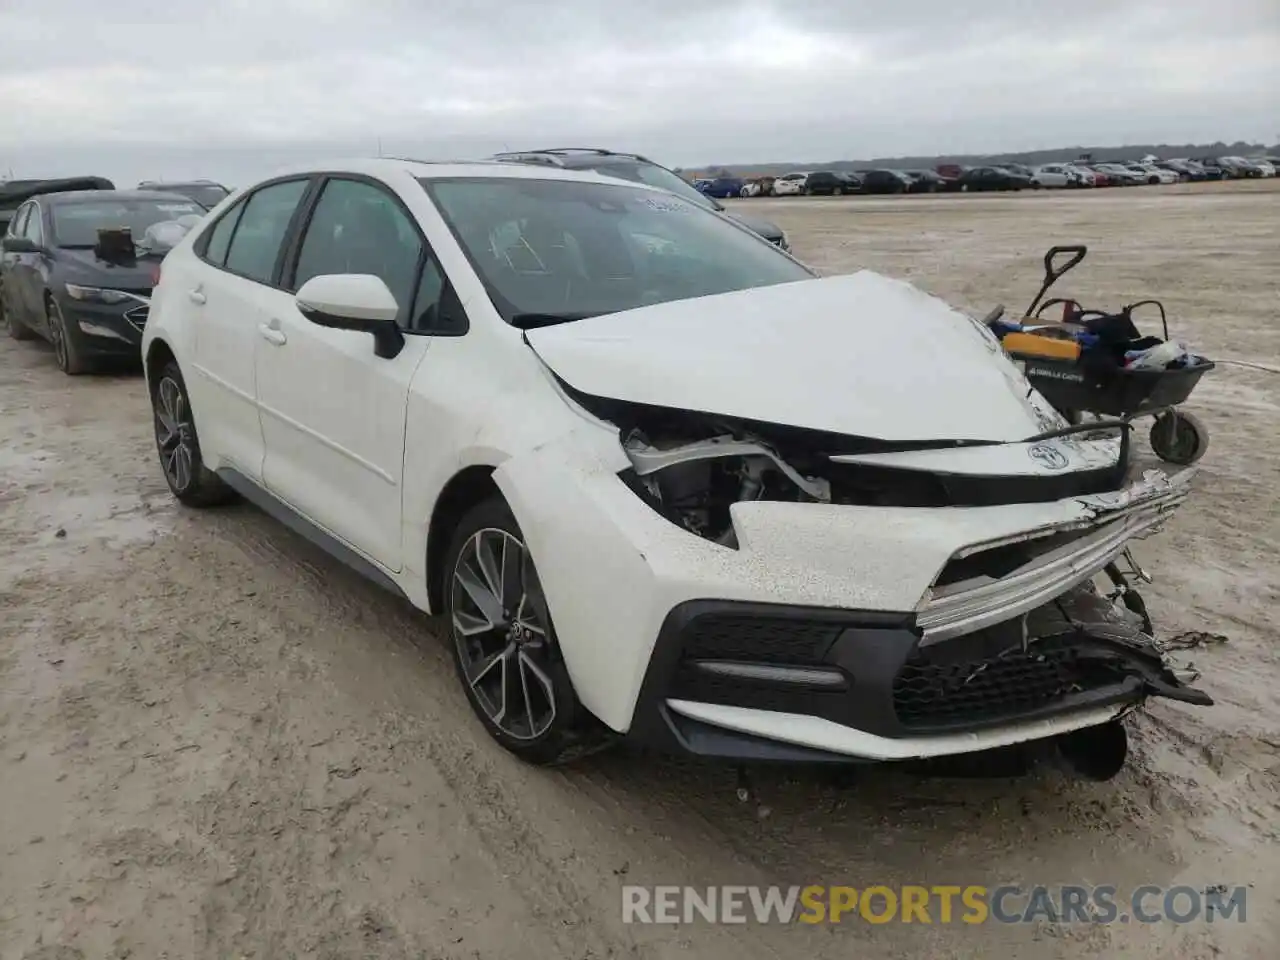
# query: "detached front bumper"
832,632
760,683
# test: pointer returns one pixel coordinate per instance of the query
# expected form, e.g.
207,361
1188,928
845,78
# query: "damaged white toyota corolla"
661,480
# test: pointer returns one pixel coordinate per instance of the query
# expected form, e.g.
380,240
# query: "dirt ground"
216,743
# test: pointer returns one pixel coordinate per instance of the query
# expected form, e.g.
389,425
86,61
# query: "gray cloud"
230,89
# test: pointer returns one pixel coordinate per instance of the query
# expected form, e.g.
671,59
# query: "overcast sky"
230,89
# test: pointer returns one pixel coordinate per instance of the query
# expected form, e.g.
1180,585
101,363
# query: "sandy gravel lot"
215,742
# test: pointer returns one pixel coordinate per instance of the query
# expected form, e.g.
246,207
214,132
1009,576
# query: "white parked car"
789,184
1155,175
1266,166
1084,176
660,479
1061,175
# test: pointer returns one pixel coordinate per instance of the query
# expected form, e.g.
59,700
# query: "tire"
515,640
16,329
178,446
1179,438
67,352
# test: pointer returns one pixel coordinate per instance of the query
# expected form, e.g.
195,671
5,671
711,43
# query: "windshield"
77,224
653,175
565,249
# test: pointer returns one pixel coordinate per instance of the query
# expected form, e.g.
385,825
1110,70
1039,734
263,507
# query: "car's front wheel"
504,643
188,478
66,347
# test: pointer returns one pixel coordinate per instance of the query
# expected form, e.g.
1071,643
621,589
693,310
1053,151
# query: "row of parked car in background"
1067,174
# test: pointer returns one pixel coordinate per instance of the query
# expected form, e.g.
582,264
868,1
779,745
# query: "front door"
22,271
333,413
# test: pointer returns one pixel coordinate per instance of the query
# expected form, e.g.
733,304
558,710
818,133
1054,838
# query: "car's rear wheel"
504,643
66,347
188,478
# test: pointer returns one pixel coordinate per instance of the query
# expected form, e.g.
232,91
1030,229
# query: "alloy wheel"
58,336
174,432
500,628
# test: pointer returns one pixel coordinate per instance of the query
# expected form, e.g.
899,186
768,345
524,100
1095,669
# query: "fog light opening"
1095,753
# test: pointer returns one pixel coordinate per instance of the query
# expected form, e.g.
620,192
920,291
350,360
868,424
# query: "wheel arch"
465,489
159,353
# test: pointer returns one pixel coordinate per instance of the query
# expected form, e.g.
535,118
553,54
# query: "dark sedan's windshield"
205,194
76,223
569,249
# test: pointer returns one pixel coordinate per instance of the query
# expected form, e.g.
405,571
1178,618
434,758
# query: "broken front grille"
930,692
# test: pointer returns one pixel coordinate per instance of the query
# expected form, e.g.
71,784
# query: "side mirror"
19,245
354,301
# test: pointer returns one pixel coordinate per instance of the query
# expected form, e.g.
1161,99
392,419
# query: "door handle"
196,296
273,335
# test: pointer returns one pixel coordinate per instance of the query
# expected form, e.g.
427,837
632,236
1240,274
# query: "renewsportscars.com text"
939,904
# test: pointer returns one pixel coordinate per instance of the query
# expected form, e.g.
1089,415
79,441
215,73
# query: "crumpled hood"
860,355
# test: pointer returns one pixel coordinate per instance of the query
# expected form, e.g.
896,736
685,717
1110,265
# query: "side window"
357,227
427,300
215,248
255,245
33,229
19,221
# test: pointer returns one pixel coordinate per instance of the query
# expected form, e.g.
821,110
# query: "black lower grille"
770,639
933,693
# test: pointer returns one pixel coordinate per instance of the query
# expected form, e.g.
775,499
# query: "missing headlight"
694,484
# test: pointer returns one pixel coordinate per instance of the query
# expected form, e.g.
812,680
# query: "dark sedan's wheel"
504,643
189,479
66,345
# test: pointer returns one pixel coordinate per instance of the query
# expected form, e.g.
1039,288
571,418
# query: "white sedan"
1155,175
1061,175
660,479
790,184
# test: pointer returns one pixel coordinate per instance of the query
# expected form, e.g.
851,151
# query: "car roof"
83,196
447,169
156,184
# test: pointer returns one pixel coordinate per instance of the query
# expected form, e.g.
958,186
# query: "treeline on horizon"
1031,158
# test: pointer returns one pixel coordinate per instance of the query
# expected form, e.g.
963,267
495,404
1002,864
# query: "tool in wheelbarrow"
1100,363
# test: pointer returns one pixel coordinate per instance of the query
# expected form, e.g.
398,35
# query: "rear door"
333,413
228,291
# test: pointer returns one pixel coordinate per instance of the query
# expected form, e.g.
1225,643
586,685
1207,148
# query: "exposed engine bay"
692,467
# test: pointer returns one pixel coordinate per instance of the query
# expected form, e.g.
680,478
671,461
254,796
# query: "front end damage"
1012,641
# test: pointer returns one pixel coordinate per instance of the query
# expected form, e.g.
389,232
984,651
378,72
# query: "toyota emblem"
1048,456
